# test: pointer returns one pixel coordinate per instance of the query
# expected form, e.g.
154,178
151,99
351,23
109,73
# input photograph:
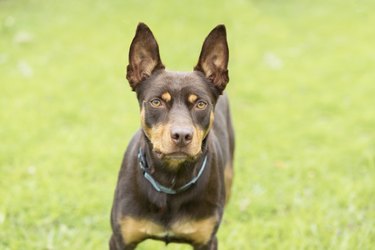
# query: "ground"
302,95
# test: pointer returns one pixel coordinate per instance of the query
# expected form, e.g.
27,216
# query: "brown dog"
177,171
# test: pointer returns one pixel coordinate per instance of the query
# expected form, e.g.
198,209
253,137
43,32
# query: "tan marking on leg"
192,98
228,176
135,230
166,97
199,232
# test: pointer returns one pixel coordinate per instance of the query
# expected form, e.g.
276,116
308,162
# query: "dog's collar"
163,189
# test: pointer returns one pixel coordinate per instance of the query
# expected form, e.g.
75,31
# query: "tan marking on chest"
135,230
198,231
228,176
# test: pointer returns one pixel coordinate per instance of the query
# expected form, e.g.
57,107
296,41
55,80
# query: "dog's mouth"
175,158
173,155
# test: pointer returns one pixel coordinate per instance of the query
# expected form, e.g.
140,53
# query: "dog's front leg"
211,245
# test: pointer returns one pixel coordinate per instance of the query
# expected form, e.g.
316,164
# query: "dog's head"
177,109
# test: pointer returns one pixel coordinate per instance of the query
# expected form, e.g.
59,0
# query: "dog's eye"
201,105
156,102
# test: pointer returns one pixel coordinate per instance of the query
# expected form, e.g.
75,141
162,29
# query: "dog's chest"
196,231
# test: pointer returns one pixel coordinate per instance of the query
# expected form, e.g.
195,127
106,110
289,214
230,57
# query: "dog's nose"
182,136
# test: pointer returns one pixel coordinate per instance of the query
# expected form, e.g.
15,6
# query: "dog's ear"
144,56
213,60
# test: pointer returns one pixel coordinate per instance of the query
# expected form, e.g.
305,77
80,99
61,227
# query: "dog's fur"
185,119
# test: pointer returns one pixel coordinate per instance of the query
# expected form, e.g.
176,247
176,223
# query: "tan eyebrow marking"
192,98
166,97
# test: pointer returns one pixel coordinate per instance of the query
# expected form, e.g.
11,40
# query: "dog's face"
177,109
176,113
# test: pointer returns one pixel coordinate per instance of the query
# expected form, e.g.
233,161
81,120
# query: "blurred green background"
302,92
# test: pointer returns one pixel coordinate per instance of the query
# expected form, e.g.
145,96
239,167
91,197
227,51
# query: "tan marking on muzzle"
155,134
200,135
160,137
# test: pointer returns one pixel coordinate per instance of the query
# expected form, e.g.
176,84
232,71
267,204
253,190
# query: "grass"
302,94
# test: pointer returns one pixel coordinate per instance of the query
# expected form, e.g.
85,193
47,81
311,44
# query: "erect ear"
144,56
213,60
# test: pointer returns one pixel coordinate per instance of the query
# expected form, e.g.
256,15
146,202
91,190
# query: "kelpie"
177,171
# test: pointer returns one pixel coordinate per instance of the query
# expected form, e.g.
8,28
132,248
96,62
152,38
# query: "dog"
176,175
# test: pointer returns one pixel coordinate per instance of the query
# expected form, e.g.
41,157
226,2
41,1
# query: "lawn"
302,94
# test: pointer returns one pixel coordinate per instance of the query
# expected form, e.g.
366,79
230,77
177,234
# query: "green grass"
302,93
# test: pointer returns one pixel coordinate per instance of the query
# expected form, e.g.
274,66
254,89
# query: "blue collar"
163,189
